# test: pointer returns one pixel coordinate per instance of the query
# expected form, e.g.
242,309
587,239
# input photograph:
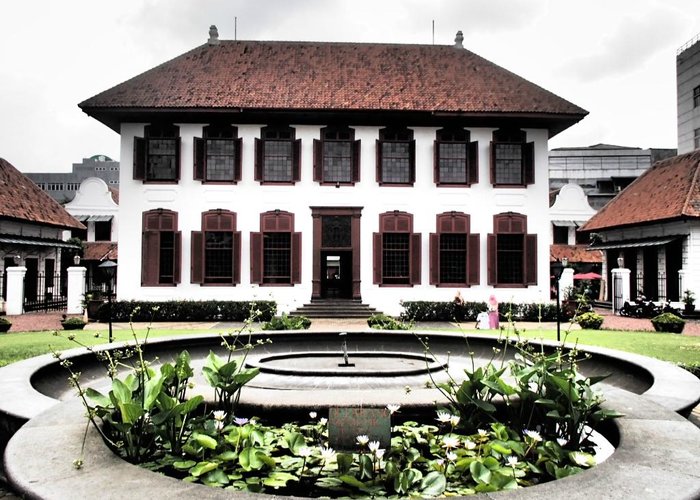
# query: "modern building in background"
688,85
312,171
62,186
602,170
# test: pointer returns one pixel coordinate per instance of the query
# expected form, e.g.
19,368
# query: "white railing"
688,44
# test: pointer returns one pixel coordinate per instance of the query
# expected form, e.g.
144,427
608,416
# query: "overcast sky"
614,58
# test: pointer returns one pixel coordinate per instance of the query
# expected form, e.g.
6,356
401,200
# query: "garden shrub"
73,324
384,322
5,324
668,322
187,310
286,322
590,320
422,310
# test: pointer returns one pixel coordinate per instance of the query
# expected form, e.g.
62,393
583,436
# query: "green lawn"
666,346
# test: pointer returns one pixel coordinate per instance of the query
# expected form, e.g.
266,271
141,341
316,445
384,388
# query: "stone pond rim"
658,455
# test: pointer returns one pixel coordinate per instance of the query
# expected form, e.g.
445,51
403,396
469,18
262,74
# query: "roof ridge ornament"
459,39
213,35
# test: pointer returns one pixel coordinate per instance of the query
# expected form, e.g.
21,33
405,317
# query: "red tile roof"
100,250
575,253
669,190
21,199
115,194
264,75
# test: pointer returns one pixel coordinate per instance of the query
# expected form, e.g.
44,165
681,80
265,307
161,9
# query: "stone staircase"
335,308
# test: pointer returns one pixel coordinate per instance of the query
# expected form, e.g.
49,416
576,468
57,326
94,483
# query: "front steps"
335,308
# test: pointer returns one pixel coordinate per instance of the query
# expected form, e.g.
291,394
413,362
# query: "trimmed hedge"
186,310
467,311
384,322
590,320
668,322
285,322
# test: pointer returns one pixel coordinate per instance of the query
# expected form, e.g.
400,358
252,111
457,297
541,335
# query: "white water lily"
534,435
512,461
305,452
582,459
312,414
469,444
373,446
323,421
451,456
483,433
379,453
392,408
454,420
219,415
327,454
443,417
219,425
362,439
450,442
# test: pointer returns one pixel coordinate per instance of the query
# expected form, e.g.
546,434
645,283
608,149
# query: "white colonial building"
303,171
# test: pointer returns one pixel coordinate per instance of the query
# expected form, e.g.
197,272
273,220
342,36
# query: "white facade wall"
248,199
94,198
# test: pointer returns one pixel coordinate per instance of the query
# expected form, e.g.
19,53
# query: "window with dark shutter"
216,249
336,156
512,253
454,252
396,154
276,250
157,154
217,156
397,250
161,248
456,158
278,156
512,159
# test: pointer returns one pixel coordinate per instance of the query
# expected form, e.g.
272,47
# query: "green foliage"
5,324
286,322
688,298
468,311
668,322
384,322
590,320
186,310
73,324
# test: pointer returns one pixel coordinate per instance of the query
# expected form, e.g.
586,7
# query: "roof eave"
681,218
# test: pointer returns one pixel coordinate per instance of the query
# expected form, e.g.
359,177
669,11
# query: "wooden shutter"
492,166
236,257
296,258
356,150
412,160
377,251
318,161
139,158
530,259
258,176
237,155
296,160
436,162
150,257
178,145
177,258
473,259
200,158
415,257
378,167
473,163
434,259
256,258
491,261
197,257
529,163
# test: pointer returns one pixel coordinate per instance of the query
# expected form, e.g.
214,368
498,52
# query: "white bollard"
15,290
76,290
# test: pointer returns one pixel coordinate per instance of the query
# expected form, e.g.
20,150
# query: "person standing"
493,312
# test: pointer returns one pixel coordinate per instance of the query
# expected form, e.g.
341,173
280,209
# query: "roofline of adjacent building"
78,225
682,218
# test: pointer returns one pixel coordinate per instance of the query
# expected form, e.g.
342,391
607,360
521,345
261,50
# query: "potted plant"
73,324
689,302
668,322
5,325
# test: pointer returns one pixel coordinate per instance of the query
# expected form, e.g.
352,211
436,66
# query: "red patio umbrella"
587,276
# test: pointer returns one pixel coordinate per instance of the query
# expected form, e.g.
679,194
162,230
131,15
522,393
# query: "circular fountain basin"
649,392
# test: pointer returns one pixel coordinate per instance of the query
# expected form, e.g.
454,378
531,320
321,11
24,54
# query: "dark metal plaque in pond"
346,423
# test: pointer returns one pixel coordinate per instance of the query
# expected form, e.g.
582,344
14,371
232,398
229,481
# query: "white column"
620,288
681,282
566,282
76,289
15,289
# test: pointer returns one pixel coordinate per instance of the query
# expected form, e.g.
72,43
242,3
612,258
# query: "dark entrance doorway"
336,253
336,274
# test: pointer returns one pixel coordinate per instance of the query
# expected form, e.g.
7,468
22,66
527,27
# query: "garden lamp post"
558,268
109,268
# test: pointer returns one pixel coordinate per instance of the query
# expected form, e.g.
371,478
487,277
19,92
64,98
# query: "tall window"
157,155
696,138
161,243
512,159
396,157
103,230
337,156
456,159
696,96
277,156
397,250
216,250
560,235
217,156
512,253
275,251
454,252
